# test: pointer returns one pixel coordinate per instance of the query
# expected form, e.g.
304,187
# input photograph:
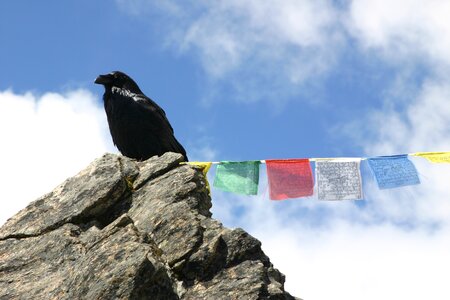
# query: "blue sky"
253,80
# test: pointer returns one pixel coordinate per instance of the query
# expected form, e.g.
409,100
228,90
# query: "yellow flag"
435,157
204,166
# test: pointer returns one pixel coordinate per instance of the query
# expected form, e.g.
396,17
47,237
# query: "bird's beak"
104,79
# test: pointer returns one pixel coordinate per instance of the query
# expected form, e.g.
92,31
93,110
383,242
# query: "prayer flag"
238,177
290,178
204,166
339,179
393,171
435,157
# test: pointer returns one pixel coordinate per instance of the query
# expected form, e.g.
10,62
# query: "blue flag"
393,171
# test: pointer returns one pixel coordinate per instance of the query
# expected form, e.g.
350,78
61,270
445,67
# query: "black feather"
139,127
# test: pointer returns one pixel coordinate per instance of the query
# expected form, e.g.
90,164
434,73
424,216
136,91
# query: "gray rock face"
122,229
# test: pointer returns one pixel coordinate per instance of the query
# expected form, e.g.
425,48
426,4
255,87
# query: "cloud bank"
251,46
45,139
270,50
405,31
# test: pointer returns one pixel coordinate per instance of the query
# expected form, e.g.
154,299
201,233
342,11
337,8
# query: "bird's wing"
151,105
139,127
156,111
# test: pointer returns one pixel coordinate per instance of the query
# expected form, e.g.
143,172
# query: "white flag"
339,179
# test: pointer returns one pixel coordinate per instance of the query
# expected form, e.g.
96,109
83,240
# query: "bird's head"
119,80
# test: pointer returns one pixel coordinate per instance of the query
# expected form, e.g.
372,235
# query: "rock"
122,229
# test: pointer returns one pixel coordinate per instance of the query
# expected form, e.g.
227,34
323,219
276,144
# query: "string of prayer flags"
339,179
435,157
204,166
290,178
238,177
336,178
393,171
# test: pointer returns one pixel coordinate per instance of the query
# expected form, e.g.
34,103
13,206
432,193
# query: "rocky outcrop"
122,229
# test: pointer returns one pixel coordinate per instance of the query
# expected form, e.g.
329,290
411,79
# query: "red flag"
290,178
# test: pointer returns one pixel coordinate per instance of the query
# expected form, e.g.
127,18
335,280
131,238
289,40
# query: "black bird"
138,126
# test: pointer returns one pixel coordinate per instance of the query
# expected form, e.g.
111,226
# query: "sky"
248,80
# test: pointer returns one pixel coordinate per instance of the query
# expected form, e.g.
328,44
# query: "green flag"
238,177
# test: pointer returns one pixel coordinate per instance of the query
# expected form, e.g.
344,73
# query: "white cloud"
46,139
233,32
405,30
262,49
351,261
282,46
422,124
